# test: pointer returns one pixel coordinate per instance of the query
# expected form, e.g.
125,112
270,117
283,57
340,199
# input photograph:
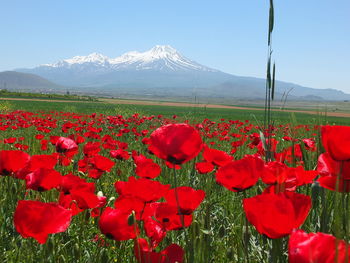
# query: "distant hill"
163,72
17,81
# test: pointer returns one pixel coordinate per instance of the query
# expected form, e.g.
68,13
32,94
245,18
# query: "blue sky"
311,41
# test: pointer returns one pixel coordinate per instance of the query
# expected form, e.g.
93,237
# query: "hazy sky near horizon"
311,41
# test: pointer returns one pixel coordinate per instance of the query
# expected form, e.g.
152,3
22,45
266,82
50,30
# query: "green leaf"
273,81
271,20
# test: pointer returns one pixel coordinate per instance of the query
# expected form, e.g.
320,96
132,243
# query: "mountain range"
163,72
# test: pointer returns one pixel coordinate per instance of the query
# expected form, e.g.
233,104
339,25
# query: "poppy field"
79,186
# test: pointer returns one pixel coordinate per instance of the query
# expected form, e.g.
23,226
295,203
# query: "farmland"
122,196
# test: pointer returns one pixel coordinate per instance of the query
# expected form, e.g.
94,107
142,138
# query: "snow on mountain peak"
93,57
160,57
163,50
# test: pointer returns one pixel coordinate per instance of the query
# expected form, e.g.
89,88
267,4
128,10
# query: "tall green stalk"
270,85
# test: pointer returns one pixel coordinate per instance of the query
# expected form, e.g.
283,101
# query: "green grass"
31,95
219,227
169,111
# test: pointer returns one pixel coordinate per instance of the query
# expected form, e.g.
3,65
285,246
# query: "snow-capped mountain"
162,71
93,58
162,58
158,67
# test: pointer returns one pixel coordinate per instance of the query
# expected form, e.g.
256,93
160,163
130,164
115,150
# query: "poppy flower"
44,144
332,171
336,141
66,146
38,220
170,217
271,142
83,197
316,247
186,198
119,154
216,157
20,146
36,162
102,201
114,223
241,174
204,167
43,179
276,215
91,149
310,144
284,178
290,154
176,143
144,254
12,161
10,140
95,166
154,231
71,181
39,136
172,166
54,139
272,171
131,203
147,168
144,189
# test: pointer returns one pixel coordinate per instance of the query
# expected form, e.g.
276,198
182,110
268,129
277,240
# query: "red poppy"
66,201
102,163
336,141
119,154
20,146
204,167
272,171
276,215
241,174
284,178
95,166
147,168
131,203
66,146
290,154
216,157
10,140
39,136
54,139
44,144
316,247
261,146
84,199
172,166
186,198
144,254
310,144
335,175
176,143
327,166
43,161
144,189
43,179
170,217
38,220
102,201
154,231
12,161
70,181
114,223
37,162
91,149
